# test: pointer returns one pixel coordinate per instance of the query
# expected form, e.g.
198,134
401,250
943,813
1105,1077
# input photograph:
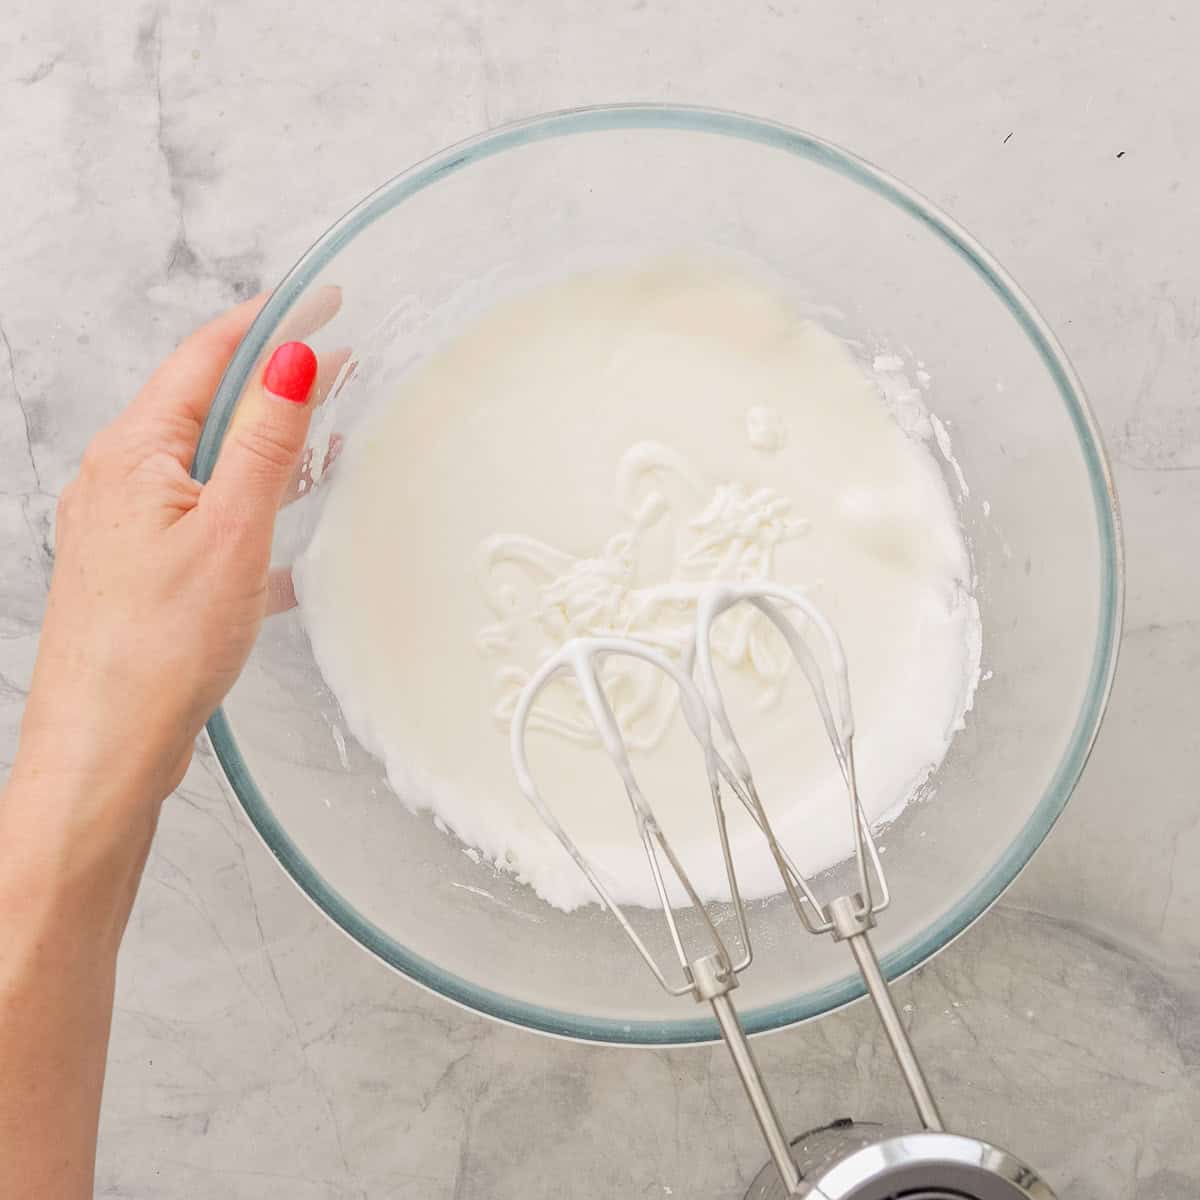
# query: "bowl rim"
970,906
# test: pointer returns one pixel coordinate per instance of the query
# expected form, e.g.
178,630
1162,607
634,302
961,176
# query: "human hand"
161,583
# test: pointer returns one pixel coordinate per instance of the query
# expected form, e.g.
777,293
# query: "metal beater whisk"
713,975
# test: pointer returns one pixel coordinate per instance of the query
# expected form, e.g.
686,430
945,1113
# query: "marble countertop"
161,159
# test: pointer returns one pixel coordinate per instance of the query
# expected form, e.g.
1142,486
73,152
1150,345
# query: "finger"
184,384
329,367
264,442
313,311
304,478
181,391
281,591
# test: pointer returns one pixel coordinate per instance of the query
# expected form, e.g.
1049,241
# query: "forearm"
71,856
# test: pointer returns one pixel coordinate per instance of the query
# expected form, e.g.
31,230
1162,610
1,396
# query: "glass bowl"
533,201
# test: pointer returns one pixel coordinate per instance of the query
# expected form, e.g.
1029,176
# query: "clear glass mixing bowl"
529,202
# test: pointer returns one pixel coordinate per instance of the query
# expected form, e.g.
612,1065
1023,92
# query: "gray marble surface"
159,160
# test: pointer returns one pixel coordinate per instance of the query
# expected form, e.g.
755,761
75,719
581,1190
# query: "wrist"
74,846
113,749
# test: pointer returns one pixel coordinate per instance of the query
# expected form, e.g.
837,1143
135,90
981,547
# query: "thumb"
267,434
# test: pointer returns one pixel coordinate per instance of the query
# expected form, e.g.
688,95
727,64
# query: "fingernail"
290,372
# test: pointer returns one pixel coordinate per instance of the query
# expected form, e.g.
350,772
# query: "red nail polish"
290,372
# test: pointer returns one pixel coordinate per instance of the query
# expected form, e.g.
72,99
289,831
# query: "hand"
160,584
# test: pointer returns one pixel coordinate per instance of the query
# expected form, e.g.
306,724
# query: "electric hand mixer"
844,1160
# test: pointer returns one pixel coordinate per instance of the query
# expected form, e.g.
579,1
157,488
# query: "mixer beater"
845,1160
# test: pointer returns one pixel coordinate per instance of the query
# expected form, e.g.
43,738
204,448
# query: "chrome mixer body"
852,1160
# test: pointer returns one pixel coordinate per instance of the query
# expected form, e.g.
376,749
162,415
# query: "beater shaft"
851,928
756,1092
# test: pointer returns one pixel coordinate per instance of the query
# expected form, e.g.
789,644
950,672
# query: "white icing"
765,428
942,436
541,596
473,524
